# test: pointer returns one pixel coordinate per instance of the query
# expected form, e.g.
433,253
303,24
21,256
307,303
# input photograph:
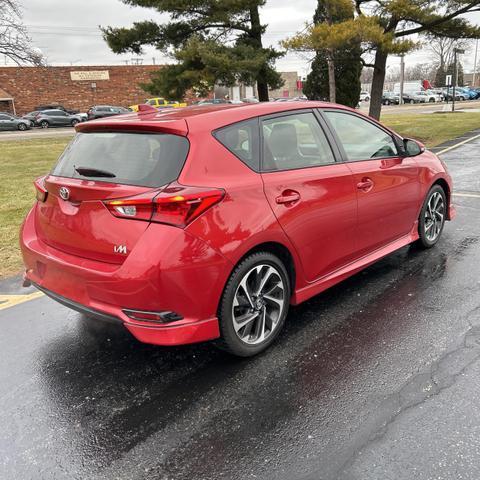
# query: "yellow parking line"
445,150
468,195
7,301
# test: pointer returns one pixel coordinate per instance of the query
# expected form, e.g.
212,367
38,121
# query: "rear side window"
242,140
142,159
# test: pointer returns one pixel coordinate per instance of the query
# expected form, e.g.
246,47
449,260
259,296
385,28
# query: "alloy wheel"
258,304
434,216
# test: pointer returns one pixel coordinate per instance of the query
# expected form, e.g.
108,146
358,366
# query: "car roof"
198,117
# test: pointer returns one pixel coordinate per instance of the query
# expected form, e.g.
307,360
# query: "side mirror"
412,148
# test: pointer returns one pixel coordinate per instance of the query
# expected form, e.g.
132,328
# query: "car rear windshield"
141,159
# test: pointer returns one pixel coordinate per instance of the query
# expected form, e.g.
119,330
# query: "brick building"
78,88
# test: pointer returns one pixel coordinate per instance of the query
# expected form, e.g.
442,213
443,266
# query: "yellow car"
158,102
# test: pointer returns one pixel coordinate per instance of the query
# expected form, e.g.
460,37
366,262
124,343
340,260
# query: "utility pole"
475,65
402,77
455,73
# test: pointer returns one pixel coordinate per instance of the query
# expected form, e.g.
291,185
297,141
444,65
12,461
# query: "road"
37,133
378,378
470,105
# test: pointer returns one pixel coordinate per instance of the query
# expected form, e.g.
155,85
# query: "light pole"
475,65
456,51
402,77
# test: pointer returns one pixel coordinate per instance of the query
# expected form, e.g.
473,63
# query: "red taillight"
176,205
40,189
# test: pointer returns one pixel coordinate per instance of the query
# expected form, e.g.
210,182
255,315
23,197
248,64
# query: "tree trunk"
378,80
332,87
256,35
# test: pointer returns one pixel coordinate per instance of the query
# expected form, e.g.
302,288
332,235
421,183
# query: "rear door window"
142,159
294,141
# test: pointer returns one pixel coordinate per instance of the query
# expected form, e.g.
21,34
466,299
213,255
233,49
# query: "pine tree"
388,28
212,42
346,62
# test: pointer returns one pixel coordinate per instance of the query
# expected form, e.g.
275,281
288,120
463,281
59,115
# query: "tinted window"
242,140
103,109
294,141
150,160
4,117
55,113
361,139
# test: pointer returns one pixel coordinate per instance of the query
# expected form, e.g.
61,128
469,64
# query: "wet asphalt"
377,378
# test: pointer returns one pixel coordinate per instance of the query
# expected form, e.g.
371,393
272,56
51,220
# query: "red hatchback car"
208,222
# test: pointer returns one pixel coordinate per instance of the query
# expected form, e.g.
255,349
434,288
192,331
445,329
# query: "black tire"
74,122
44,124
387,102
412,101
230,340
22,126
431,100
425,241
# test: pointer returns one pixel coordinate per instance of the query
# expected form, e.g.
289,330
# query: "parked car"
250,100
415,97
212,229
54,106
459,94
291,99
31,117
364,96
11,122
408,98
470,94
390,98
56,118
102,111
159,102
213,101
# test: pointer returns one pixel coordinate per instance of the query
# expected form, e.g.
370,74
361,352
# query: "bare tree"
421,71
15,43
442,48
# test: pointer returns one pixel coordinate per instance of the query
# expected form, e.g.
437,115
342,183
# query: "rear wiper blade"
94,172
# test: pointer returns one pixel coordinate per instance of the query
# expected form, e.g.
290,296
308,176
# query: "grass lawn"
22,161
433,128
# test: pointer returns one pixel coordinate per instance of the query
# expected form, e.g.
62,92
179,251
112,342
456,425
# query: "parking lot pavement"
377,378
467,106
37,133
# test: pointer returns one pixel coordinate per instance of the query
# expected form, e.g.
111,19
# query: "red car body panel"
331,231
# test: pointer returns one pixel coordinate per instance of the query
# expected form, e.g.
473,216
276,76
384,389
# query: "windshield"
142,159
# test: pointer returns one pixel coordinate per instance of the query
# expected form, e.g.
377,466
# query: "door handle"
366,184
288,196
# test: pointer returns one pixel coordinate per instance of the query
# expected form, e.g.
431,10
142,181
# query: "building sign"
90,75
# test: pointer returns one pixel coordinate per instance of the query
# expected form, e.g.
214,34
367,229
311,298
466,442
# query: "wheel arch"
282,252
445,186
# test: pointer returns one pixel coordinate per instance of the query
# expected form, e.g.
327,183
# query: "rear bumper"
167,270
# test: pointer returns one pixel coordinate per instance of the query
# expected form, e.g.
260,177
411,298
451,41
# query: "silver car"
9,122
56,118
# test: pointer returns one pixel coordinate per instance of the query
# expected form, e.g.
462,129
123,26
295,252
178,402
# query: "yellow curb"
7,301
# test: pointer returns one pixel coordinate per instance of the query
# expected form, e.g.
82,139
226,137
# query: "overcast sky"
67,30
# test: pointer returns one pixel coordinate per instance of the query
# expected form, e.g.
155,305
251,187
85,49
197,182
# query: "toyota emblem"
64,193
